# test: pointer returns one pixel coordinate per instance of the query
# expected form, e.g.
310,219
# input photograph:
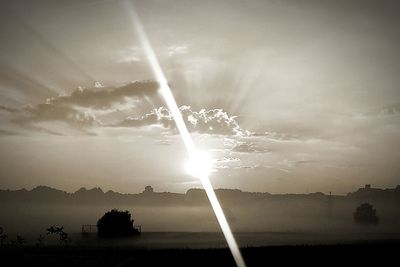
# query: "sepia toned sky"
286,96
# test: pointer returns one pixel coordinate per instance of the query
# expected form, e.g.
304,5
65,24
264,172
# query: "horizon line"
194,188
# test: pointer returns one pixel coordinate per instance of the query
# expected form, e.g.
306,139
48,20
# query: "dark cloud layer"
104,98
8,109
75,109
61,113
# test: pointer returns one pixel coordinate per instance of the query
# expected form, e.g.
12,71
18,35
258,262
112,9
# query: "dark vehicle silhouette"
116,223
365,214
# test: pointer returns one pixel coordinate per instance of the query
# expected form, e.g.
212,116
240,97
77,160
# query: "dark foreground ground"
379,253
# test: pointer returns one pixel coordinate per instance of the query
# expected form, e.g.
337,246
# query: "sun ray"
198,163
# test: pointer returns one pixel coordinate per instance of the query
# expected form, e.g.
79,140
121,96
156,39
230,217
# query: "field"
377,252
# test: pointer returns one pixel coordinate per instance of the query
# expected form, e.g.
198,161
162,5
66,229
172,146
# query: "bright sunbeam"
199,164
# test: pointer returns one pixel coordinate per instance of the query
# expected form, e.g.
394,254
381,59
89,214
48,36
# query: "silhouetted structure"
88,229
365,214
116,223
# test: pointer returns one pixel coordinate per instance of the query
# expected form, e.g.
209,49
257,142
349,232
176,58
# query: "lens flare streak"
186,138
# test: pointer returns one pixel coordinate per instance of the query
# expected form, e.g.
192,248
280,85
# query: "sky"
285,96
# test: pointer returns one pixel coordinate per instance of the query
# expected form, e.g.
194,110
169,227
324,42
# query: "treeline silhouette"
45,194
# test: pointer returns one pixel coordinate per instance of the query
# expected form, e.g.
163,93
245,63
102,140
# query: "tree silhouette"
116,223
62,235
148,190
64,238
55,230
365,214
19,241
2,236
40,240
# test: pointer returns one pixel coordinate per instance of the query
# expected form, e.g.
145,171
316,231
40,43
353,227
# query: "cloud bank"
79,108
103,99
214,121
92,108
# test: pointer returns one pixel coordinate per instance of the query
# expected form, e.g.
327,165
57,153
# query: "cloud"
129,55
8,109
249,143
214,121
227,160
5,132
63,113
110,107
176,50
248,147
79,109
103,99
101,107
389,110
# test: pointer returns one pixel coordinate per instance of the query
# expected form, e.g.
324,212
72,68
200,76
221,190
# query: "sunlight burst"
199,164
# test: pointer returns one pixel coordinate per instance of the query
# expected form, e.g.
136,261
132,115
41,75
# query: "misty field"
283,216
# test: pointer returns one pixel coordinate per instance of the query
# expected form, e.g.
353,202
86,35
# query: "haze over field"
313,213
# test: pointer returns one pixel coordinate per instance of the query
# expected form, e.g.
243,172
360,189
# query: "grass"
379,252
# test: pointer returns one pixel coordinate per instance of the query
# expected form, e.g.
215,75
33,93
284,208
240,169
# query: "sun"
199,164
